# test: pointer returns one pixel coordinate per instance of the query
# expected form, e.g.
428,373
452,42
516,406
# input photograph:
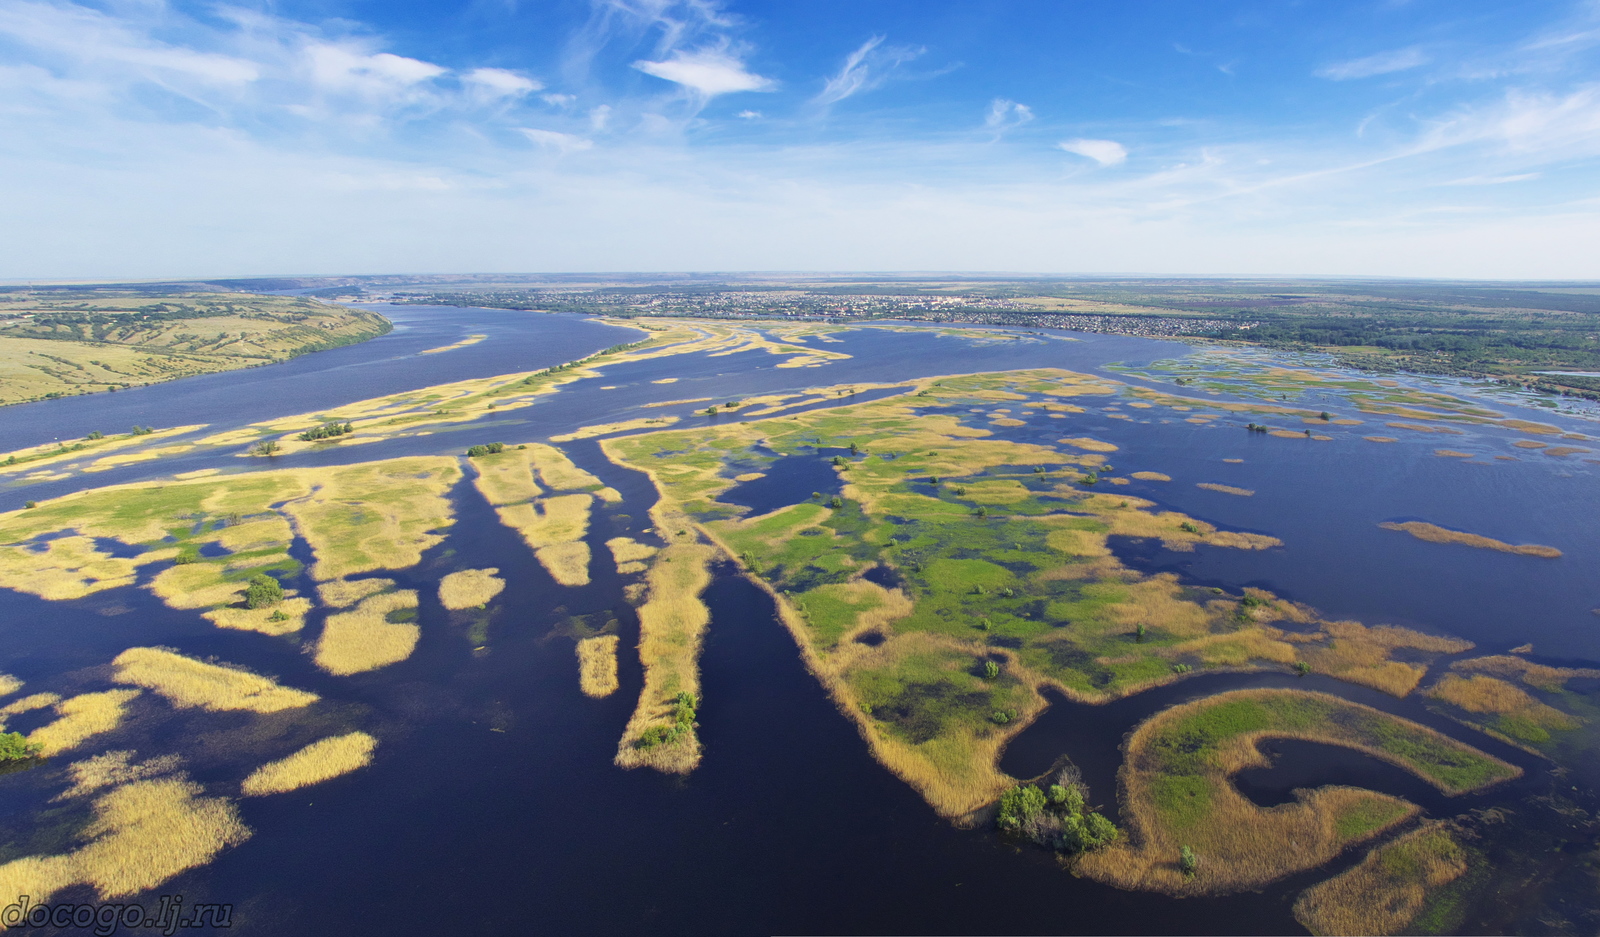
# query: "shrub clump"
328,430
492,448
684,709
1056,817
14,746
263,592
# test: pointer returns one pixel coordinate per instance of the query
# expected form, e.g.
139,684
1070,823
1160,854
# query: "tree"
1301,667
263,592
1326,415
14,746
1188,862
991,669
267,447
1019,805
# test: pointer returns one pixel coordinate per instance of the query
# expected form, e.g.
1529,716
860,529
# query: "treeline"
328,430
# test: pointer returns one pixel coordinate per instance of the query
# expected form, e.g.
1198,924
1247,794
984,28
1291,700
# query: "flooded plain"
493,805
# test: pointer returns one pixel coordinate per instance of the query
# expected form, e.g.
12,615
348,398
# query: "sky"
1427,138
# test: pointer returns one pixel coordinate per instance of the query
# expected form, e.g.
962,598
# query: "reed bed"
672,623
188,683
469,588
1364,655
1384,894
621,426
629,554
1152,476
112,768
375,515
567,563
343,593
1436,534
9,684
1176,789
364,639
597,665
1227,489
287,617
143,834
82,717
320,761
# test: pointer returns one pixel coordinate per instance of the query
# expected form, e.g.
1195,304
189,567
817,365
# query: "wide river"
493,806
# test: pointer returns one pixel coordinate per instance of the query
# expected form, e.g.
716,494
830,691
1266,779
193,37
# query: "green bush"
263,592
1020,805
991,669
14,746
1188,862
474,452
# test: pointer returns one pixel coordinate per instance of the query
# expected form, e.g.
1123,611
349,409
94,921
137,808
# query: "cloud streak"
1383,63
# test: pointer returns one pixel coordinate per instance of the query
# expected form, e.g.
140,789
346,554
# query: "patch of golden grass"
364,639
375,515
320,761
1091,445
1452,454
629,554
671,624
1565,450
1380,439
469,340
81,718
29,704
567,563
1242,846
188,683
1423,428
1152,476
674,403
111,768
622,426
9,684
68,568
1359,654
143,833
1530,444
597,665
1515,668
1226,489
343,593
1435,534
469,587
1483,694
286,617
1385,892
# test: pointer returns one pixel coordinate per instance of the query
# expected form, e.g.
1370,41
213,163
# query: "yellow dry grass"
287,617
469,587
188,683
671,623
343,593
1423,428
567,563
1225,489
629,554
597,665
111,768
1483,694
469,340
1452,454
29,704
1383,894
1380,439
1515,668
81,718
364,639
622,426
9,684
1359,654
1152,476
375,515
1435,534
317,762
1090,445
143,833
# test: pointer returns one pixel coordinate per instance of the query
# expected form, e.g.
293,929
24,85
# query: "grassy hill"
57,343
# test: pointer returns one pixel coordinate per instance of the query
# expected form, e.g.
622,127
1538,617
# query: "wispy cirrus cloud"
1383,63
1005,115
868,67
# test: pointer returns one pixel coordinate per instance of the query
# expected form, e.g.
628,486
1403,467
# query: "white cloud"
1383,63
708,73
558,100
748,115
1104,152
345,69
1005,114
501,82
1494,180
556,140
95,38
599,117
868,67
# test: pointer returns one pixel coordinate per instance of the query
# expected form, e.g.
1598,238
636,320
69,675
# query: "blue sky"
141,138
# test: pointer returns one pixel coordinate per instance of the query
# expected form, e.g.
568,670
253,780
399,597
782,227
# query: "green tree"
1188,862
1020,805
263,592
14,746
267,447
991,669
